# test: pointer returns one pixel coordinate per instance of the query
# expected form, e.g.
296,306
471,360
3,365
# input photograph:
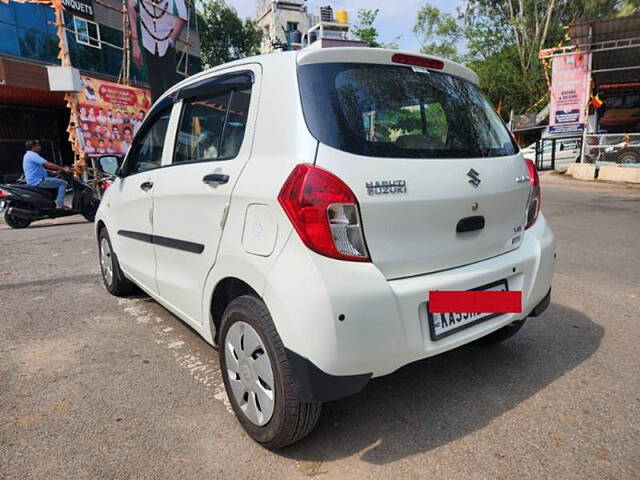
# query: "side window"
212,128
236,123
87,32
147,149
201,129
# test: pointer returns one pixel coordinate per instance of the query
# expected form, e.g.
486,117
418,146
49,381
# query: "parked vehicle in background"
566,152
297,209
622,149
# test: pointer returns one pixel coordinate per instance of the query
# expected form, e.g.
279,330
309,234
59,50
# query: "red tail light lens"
325,213
4,193
533,207
417,61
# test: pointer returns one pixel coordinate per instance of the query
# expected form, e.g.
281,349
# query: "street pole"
586,126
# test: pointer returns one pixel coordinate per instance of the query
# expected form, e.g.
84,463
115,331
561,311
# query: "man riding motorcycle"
36,171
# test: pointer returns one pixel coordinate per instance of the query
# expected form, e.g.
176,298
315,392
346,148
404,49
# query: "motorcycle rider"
36,172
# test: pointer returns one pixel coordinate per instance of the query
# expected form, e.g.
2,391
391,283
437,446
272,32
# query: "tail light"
4,194
533,207
325,213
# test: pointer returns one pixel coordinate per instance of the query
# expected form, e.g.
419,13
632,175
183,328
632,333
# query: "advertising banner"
569,92
155,28
109,115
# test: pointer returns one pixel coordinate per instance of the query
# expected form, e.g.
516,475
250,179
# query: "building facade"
29,42
288,25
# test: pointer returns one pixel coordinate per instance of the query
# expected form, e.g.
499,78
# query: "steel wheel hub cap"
249,373
106,262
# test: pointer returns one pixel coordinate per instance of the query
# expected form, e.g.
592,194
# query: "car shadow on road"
435,401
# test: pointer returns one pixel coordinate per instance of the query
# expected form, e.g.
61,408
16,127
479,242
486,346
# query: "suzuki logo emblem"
475,178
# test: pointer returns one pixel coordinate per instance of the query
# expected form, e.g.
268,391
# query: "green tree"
628,7
364,30
439,33
501,39
223,35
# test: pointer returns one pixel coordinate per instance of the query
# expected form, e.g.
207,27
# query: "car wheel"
259,379
114,280
502,334
629,157
16,222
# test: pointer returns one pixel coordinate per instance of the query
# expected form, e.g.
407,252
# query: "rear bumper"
542,306
347,320
314,385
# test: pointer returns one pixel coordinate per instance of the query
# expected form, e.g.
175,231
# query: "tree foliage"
223,35
365,30
500,40
440,33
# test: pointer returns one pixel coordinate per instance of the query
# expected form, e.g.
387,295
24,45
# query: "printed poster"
569,91
109,115
156,28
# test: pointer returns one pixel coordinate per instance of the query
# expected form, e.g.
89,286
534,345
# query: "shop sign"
566,129
84,8
526,120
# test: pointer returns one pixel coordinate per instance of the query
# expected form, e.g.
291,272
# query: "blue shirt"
33,166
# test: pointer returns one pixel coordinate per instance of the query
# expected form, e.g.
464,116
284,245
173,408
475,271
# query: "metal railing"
556,153
616,148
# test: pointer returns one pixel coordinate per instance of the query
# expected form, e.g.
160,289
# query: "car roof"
327,55
381,56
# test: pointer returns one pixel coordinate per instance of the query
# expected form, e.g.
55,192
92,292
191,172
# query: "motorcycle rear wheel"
16,222
89,216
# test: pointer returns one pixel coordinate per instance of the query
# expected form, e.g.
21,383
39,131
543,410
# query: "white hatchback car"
297,209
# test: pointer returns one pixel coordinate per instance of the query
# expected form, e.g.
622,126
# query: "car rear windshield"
400,112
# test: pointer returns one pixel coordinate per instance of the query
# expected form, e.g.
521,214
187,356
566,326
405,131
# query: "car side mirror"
110,164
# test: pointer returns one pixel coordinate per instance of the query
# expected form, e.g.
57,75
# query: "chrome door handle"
215,179
146,186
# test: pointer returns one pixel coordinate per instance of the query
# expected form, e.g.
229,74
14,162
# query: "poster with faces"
109,115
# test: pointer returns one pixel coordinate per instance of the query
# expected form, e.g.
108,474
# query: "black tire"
501,335
90,211
629,157
119,285
16,222
291,419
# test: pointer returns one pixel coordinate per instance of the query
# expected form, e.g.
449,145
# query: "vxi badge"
386,187
475,178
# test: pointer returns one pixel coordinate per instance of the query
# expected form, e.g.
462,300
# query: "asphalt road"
96,387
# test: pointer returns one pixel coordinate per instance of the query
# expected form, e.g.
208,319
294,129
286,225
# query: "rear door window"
393,111
212,127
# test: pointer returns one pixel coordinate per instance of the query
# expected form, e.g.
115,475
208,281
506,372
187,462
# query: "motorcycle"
23,204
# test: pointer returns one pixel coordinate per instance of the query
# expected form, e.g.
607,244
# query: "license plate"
444,324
